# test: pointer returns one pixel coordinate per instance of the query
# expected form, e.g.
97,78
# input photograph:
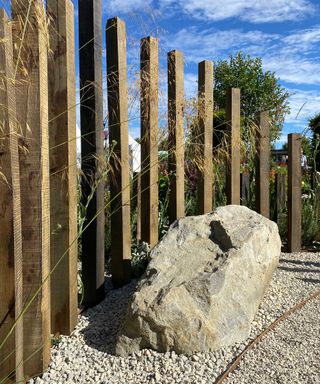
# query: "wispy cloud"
289,55
294,69
303,41
124,6
304,105
252,11
247,10
199,44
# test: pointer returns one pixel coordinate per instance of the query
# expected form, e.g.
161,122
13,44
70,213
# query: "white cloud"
123,6
254,11
191,84
303,41
304,105
210,43
294,69
289,56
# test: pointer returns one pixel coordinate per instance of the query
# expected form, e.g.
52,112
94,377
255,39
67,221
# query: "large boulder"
204,283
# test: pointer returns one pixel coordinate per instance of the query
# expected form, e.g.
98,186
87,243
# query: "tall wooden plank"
263,164
149,140
205,137
31,62
63,167
176,134
139,206
233,157
92,149
294,192
10,215
136,201
245,187
316,186
119,162
280,191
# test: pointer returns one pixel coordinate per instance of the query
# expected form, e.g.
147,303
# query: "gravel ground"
290,354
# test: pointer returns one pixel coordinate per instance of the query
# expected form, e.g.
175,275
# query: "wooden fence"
38,165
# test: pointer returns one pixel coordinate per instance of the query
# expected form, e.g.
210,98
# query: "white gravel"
290,354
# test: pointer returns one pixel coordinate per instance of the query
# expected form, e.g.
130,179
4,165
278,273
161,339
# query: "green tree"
260,91
314,125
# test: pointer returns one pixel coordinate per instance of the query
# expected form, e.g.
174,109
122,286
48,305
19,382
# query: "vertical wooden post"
63,167
316,186
205,139
136,201
176,134
233,131
11,351
32,114
119,162
92,149
149,140
263,164
139,207
294,192
280,190
245,187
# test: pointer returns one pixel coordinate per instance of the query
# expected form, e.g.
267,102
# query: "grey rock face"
204,283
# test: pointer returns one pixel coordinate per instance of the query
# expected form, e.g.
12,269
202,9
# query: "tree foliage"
314,125
260,91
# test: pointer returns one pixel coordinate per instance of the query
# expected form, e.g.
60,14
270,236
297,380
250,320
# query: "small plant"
140,253
55,340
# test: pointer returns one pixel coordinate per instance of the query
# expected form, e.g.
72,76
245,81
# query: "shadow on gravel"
300,262
313,281
106,318
305,270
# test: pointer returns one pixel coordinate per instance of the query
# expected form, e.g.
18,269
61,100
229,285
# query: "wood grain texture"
63,167
205,137
31,61
281,196
233,158
119,142
149,139
11,353
136,201
92,149
294,192
176,134
316,186
263,164
245,188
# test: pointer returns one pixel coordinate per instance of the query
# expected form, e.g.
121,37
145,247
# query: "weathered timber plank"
31,62
281,195
263,164
233,158
294,192
316,184
63,167
245,187
119,142
149,140
92,149
11,351
205,137
176,134
136,201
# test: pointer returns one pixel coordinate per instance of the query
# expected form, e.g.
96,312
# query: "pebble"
289,354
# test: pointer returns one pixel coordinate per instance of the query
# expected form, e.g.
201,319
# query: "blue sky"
286,34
